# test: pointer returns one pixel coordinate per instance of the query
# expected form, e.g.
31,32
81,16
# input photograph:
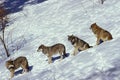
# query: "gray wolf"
49,51
100,33
79,44
12,65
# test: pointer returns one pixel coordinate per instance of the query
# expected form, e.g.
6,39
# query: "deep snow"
49,23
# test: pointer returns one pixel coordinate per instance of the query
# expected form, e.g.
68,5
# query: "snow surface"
49,23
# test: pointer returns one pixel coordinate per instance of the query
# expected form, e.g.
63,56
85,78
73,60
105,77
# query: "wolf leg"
12,73
75,51
49,60
98,41
24,69
61,56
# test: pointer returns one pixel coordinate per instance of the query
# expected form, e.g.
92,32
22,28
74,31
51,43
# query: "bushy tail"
27,65
64,52
91,46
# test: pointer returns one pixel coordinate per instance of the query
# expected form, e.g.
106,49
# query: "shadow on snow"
13,6
20,71
58,57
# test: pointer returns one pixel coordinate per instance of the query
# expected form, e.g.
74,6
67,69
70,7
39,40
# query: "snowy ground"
49,23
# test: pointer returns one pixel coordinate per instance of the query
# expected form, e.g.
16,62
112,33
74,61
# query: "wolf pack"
78,44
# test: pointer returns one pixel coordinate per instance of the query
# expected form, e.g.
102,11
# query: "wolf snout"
37,50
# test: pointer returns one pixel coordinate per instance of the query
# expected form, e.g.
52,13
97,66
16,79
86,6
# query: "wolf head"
40,48
93,26
10,64
72,39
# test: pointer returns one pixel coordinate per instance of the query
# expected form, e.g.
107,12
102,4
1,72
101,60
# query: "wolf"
79,44
49,51
12,65
100,33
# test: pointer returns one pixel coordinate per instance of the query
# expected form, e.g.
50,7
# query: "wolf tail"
91,46
64,52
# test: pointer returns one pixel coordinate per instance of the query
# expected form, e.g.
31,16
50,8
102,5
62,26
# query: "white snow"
50,22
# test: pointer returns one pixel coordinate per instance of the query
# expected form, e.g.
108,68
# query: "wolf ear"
72,35
95,23
42,45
